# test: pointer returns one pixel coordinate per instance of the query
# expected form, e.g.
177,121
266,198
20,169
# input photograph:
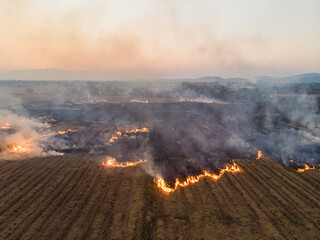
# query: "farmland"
165,120
75,197
88,165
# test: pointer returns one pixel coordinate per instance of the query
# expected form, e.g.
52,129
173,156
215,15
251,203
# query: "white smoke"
20,135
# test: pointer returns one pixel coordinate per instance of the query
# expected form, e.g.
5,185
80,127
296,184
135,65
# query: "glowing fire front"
23,147
139,101
112,162
64,132
196,100
5,126
115,137
259,155
233,168
306,168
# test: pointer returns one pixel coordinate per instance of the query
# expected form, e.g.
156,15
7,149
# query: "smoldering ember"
258,139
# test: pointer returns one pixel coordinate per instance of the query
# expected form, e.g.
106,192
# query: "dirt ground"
75,197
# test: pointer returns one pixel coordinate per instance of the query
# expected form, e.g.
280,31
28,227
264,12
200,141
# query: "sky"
130,39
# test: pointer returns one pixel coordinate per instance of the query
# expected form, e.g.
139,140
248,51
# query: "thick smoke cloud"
294,127
22,136
193,126
284,126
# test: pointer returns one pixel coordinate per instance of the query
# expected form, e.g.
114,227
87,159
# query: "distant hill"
57,74
301,78
219,79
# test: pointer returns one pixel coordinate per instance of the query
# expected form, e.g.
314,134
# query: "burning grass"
67,131
259,155
306,168
5,126
116,136
160,182
112,162
139,101
23,147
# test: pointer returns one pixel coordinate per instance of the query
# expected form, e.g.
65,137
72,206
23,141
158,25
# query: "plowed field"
74,197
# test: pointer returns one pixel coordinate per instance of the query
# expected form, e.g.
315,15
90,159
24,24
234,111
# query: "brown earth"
74,197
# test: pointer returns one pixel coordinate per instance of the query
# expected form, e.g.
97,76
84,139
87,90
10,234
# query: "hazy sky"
162,38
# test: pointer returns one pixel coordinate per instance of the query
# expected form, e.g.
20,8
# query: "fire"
111,162
259,155
306,168
202,100
139,101
21,148
98,101
135,130
64,132
113,139
46,134
233,168
195,100
5,126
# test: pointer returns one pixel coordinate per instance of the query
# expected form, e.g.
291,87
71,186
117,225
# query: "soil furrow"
292,179
273,207
50,207
283,196
265,220
33,190
21,178
75,213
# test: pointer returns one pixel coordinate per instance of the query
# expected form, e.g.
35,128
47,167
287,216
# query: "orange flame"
135,130
139,101
113,139
46,134
5,126
306,168
259,155
21,148
112,163
64,132
195,100
233,168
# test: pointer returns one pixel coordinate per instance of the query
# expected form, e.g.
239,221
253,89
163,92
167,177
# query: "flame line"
306,168
64,132
111,163
135,130
160,182
139,101
259,155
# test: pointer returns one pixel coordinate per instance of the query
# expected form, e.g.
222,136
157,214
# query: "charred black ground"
192,126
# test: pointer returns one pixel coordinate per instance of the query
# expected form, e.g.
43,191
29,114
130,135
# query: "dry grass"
75,198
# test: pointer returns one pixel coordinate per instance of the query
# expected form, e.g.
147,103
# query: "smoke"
187,95
191,128
293,124
127,42
22,136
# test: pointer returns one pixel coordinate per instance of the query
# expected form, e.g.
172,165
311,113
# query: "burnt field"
181,139
210,133
169,164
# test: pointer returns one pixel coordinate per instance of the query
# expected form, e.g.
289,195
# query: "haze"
161,38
